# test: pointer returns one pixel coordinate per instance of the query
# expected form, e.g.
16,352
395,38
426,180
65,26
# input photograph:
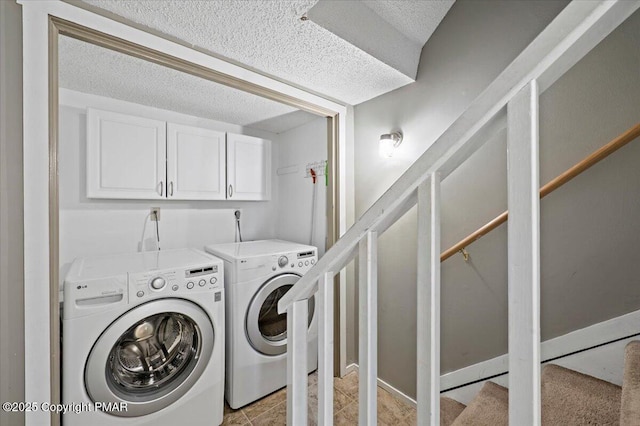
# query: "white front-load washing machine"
257,275
143,339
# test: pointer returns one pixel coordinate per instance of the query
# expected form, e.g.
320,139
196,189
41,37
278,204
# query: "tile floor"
272,410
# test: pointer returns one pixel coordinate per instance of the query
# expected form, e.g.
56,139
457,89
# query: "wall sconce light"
388,143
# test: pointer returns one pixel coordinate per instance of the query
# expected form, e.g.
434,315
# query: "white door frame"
40,91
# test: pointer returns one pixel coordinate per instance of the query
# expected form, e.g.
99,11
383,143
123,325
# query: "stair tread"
490,407
630,406
572,398
450,409
569,398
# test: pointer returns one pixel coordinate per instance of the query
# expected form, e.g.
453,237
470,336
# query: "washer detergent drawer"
88,297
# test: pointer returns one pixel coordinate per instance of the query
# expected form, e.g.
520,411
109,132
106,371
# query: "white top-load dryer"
143,339
257,275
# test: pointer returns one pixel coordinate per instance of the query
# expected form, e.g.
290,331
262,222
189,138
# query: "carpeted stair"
569,398
572,398
449,410
630,410
490,407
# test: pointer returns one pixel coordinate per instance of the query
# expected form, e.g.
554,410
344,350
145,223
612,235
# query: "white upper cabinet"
141,158
195,163
248,168
125,156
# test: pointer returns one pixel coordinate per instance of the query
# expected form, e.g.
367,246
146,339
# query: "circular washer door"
150,356
266,329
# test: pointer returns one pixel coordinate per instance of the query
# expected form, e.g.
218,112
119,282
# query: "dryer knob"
282,261
158,283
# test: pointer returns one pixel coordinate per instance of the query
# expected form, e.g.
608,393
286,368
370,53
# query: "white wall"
297,148
97,226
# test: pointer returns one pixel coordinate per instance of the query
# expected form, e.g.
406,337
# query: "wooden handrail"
554,184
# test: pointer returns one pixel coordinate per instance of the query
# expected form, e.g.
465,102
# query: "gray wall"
11,243
589,227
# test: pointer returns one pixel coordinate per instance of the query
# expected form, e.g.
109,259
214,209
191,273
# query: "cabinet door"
248,168
126,156
195,163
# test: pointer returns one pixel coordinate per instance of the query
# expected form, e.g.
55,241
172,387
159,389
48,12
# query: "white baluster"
368,321
297,323
325,349
524,257
428,297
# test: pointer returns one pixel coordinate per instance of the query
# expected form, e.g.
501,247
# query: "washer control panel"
174,282
158,283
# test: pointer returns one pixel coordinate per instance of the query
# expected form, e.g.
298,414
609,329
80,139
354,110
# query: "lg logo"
81,286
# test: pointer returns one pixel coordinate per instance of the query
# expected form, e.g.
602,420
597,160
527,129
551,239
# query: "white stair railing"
574,32
524,256
325,356
368,329
428,298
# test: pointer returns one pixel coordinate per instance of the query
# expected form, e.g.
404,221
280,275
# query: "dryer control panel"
255,267
173,282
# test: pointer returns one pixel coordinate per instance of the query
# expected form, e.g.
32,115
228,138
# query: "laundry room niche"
121,160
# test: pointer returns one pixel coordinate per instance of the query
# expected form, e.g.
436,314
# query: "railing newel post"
524,257
325,349
368,333
428,302
297,317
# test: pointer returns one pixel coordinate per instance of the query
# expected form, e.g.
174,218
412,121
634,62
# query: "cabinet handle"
230,191
161,189
171,188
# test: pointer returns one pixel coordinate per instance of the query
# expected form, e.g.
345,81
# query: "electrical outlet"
155,214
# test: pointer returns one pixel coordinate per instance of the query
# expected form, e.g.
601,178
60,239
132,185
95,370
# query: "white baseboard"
386,386
588,337
604,361
351,368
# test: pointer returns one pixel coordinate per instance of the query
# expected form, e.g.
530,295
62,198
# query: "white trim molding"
587,350
351,368
36,67
37,349
588,337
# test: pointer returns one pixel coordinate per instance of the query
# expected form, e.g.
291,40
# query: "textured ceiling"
415,19
268,35
91,69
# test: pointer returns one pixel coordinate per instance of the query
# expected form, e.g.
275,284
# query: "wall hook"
465,254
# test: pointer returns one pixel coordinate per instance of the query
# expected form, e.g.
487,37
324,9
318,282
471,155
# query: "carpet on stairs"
630,407
570,398
450,409
490,407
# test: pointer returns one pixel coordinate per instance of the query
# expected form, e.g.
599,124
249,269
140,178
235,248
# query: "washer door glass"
266,329
150,356
153,353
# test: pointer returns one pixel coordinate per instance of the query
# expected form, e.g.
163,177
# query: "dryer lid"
234,251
